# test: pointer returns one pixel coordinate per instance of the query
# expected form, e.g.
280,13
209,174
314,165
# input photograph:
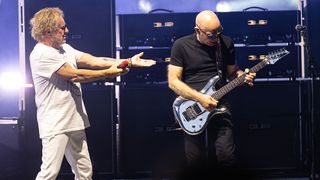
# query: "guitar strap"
218,56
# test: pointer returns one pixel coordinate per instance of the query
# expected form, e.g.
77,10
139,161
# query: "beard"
57,40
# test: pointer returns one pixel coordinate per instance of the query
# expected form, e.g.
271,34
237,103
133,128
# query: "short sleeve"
176,54
45,64
76,53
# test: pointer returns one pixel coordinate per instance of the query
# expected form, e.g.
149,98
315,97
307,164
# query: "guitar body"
191,116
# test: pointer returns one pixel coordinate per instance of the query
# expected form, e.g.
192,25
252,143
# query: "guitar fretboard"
238,81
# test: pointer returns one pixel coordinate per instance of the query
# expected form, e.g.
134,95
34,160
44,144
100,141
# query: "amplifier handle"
157,10
255,7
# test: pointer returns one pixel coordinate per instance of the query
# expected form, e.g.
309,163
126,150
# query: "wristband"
130,62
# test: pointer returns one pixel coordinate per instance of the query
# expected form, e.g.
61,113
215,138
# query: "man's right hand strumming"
208,102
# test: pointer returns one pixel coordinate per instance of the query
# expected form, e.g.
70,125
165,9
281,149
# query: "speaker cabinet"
101,109
10,166
261,27
153,74
268,125
311,114
89,31
154,30
149,140
288,66
312,16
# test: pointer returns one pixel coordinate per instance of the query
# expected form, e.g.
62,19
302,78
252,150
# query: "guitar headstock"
274,56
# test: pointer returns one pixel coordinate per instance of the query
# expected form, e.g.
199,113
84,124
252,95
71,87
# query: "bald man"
195,59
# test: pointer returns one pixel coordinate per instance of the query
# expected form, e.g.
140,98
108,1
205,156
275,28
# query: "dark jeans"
214,147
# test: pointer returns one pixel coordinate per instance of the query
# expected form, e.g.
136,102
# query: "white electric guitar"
193,118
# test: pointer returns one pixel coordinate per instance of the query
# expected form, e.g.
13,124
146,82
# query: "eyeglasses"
211,35
63,27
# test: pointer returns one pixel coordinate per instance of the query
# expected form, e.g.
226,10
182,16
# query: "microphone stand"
311,73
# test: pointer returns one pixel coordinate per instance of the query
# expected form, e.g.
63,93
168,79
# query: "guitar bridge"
192,112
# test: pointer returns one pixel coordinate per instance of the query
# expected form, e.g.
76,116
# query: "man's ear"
196,29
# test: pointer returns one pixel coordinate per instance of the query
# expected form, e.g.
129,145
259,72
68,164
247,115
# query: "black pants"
215,146
211,154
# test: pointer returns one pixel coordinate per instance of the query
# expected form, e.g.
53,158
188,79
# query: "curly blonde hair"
45,21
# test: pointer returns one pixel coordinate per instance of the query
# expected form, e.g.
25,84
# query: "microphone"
300,27
123,64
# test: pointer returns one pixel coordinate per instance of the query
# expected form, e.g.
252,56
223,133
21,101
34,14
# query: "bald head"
208,20
208,28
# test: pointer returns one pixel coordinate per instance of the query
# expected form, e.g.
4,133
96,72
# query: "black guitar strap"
219,58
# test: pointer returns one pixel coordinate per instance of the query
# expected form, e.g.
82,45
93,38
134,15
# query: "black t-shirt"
199,60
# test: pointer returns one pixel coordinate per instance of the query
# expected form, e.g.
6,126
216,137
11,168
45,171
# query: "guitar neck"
237,81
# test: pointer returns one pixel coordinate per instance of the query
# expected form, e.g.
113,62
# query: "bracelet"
130,62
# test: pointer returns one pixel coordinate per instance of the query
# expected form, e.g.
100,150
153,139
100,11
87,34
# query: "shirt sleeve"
47,63
176,54
76,53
